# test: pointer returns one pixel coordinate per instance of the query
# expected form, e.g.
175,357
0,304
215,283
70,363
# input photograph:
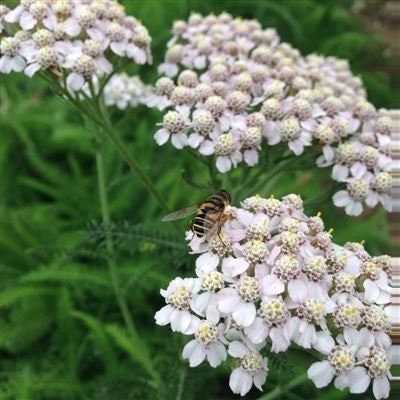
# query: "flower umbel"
281,281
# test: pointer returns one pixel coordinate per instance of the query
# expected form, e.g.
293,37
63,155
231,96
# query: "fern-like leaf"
17,293
99,337
71,274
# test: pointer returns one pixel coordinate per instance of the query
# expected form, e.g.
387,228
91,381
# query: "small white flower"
239,301
207,344
253,369
179,296
175,125
273,322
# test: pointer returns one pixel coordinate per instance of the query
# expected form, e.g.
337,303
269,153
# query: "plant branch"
93,110
212,172
123,305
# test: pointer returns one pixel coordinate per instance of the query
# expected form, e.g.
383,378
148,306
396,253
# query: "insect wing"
185,212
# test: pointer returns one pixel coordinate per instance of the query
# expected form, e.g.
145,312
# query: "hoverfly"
209,214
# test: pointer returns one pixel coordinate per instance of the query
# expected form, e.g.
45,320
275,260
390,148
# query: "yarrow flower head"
260,92
267,281
79,39
125,91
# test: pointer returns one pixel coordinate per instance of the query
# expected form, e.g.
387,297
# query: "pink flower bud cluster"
364,163
75,39
271,278
231,88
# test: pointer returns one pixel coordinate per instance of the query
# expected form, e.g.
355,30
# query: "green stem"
182,377
133,163
95,113
123,305
110,246
279,390
212,172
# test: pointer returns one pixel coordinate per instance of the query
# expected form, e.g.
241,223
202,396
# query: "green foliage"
62,335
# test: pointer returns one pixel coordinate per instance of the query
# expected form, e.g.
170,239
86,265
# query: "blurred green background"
61,332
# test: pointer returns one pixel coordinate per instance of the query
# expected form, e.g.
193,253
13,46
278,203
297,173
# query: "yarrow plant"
273,278
71,41
232,88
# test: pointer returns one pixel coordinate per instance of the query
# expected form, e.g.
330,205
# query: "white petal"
75,81
161,136
216,354
189,348
194,351
228,300
340,172
321,373
180,321
237,349
201,302
200,62
245,314
274,253
297,290
354,208
5,65
272,285
328,153
224,164
212,313
342,381
358,170
179,140
234,266
291,328
351,336
296,146
307,335
118,48
324,343
206,148
381,387
371,291
194,140
206,262
365,338
359,380
71,27
259,379
163,316
257,332
104,65
27,21
240,382
279,341
341,198
14,15
31,69
18,64
353,265
372,199
251,157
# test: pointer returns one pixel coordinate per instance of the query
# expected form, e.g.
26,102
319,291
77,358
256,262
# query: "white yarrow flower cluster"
238,88
272,278
125,91
73,39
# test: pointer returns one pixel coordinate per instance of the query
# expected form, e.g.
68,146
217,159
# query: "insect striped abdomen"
202,223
